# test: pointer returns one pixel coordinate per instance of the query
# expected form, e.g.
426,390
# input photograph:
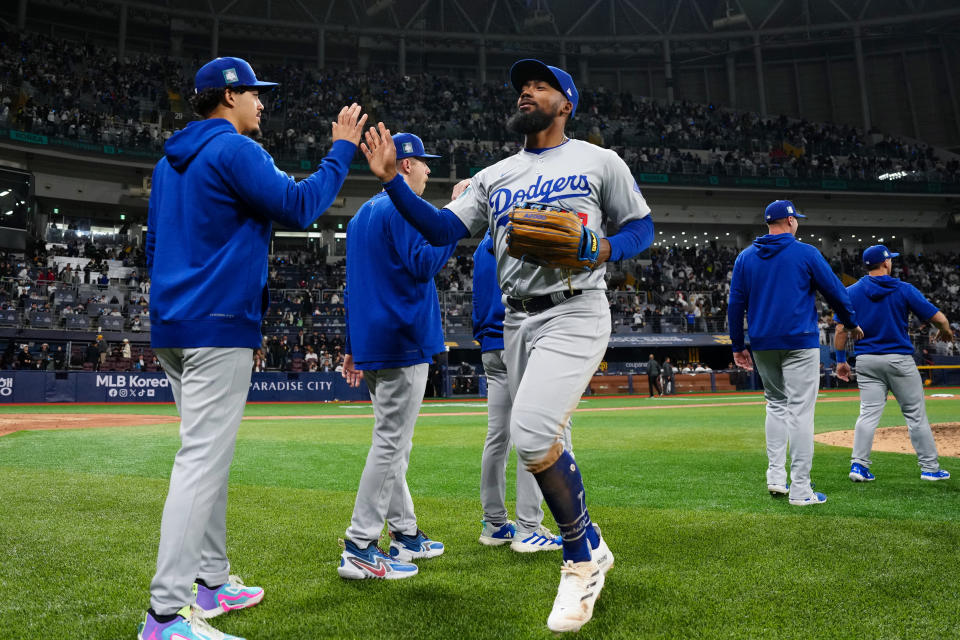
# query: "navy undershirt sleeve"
440,227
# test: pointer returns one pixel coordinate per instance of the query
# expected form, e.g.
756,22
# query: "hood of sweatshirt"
184,145
770,245
878,287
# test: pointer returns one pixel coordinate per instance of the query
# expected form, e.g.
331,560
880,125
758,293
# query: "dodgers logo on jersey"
549,190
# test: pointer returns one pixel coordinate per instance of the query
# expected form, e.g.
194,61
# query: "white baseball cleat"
580,585
602,554
540,540
816,498
778,489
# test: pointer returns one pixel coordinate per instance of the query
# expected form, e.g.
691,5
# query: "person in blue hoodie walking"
774,282
885,361
393,332
215,196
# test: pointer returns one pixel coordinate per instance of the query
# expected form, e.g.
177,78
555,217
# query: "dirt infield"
36,421
897,440
892,439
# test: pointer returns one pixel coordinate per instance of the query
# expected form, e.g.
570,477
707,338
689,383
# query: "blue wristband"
841,356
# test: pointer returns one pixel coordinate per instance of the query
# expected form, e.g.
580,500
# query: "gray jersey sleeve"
471,207
621,200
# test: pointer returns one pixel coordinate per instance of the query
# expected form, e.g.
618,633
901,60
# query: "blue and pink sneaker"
229,596
371,562
407,548
187,625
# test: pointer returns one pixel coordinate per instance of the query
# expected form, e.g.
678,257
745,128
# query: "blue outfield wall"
18,387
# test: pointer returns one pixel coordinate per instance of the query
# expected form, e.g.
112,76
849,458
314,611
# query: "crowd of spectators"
83,92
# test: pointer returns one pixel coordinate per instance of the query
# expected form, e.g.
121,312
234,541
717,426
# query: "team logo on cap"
408,147
789,209
569,92
230,76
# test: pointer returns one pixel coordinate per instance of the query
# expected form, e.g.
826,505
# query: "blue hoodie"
488,310
774,281
883,305
212,204
393,314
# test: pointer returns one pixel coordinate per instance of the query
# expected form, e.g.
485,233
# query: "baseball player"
885,361
215,196
393,332
557,322
774,281
527,534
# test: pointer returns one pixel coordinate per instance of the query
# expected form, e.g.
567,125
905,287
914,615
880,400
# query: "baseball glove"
551,237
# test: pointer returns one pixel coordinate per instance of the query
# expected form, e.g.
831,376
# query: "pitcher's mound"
897,439
30,421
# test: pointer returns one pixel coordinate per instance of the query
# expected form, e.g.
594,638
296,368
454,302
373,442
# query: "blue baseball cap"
410,146
528,69
877,254
228,72
781,209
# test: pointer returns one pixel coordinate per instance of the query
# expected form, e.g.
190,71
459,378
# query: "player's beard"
533,121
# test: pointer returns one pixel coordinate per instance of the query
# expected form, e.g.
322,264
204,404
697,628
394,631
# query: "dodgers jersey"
576,176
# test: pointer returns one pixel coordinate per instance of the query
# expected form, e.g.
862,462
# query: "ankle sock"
170,617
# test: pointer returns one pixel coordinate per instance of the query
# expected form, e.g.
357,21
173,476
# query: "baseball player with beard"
527,534
885,361
557,322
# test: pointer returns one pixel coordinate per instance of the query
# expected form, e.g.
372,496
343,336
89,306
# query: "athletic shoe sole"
816,499
778,489
494,542
856,477
934,478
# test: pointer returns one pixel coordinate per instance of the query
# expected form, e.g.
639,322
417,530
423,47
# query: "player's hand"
856,333
843,371
944,335
459,188
352,375
349,124
380,152
743,360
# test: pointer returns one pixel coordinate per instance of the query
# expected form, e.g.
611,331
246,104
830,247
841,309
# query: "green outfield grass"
702,551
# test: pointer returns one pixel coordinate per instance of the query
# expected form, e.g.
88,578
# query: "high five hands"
380,152
349,124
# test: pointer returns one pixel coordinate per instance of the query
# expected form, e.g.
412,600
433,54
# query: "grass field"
702,551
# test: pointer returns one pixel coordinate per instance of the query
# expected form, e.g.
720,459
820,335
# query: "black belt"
541,303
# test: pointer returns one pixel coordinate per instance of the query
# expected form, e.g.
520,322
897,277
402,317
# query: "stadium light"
4,192
8,213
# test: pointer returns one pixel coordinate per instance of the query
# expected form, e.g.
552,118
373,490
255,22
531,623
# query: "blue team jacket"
393,314
883,305
774,281
488,310
215,195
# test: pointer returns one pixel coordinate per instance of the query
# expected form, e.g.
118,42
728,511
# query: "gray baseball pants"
790,384
496,449
896,372
550,358
210,387
383,493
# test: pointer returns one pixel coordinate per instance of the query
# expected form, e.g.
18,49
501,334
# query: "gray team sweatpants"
496,449
550,358
791,380
877,373
210,387
383,493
